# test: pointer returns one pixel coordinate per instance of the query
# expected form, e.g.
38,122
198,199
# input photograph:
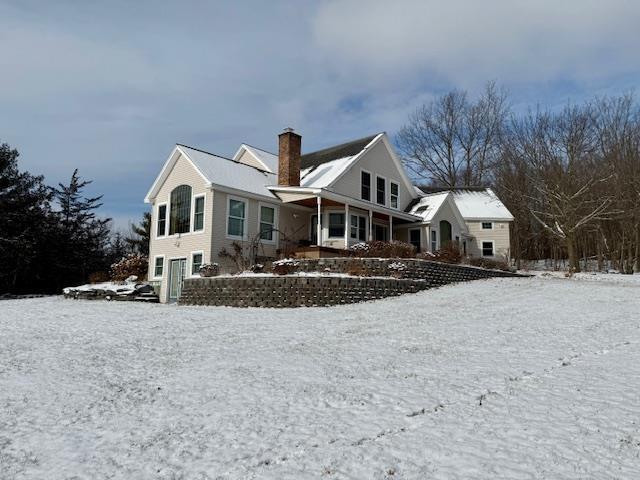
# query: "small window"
358,228
196,263
366,186
336,224
180,216
434,240
162,221
395,194
236,216
381,190
487,249
198,215
487,226
158,267
267,223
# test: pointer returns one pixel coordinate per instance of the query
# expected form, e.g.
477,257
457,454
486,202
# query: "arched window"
180,216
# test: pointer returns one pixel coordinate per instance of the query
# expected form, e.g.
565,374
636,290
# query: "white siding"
499,235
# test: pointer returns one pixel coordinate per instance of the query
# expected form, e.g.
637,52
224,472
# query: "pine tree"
140,235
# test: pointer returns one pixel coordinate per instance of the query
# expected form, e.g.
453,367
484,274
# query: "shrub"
209,270
449,253
99,277
397,269
133,264
489,263
285,267
378,249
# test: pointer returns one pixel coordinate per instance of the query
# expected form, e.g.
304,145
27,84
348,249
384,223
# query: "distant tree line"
570,177
51,237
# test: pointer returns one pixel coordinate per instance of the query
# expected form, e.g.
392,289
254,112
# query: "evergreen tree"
83,238
140,235
25,221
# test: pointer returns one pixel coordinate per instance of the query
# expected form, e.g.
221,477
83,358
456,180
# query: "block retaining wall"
299,291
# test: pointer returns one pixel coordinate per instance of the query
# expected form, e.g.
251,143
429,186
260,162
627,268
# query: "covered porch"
337,222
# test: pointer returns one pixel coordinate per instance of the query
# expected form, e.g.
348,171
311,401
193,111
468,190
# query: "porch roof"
298,194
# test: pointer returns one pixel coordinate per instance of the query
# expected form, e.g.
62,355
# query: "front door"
177,272
381,233
414,238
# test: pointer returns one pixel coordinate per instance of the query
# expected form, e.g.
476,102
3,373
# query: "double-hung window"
336,224
158,267
487,249
236,215
358,228
198,214
365,180
267,223
381,191
162,221
196,262
395,194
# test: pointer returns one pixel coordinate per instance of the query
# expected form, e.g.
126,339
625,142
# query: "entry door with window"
176,278
414,238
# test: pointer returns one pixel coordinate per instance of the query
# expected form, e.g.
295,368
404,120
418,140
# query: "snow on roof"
325,174
269,159
428,205
229,173
482,205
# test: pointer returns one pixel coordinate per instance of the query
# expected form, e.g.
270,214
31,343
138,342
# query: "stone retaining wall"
292,290
298,291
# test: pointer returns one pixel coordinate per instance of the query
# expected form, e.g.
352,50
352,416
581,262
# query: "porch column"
370,225
346,225
390,227
319,225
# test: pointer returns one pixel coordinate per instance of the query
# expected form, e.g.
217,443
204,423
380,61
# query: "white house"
314,204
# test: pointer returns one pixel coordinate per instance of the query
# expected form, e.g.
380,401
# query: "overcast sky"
110,86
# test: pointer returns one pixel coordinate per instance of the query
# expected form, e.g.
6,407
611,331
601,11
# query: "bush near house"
449,253
133,264
378,249
489,263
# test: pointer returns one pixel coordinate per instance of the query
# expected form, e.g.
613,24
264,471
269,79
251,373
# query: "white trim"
371,177
190,263
385,191
335,211
193,212
397,207
157,218
248,149
493,248
246,218
155,258
166,170
276,216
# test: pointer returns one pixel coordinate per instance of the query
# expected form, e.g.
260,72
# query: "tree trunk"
636,259
574,262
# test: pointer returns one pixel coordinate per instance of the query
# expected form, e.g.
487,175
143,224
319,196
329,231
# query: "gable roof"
348,149
429,205
217,170
267,159
477,203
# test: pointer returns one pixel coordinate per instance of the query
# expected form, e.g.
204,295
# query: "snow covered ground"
503,378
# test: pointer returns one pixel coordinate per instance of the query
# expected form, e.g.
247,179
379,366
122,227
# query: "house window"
414,238
487,249
487,226
358,228
267,223
395,194
196,262
365,193
180,216
336,224
198,214
381,190
434,240
236,218
162,221
158,267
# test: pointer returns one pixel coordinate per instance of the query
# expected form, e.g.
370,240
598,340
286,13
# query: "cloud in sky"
109,87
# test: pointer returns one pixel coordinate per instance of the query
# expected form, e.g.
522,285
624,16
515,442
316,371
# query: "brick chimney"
289,144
